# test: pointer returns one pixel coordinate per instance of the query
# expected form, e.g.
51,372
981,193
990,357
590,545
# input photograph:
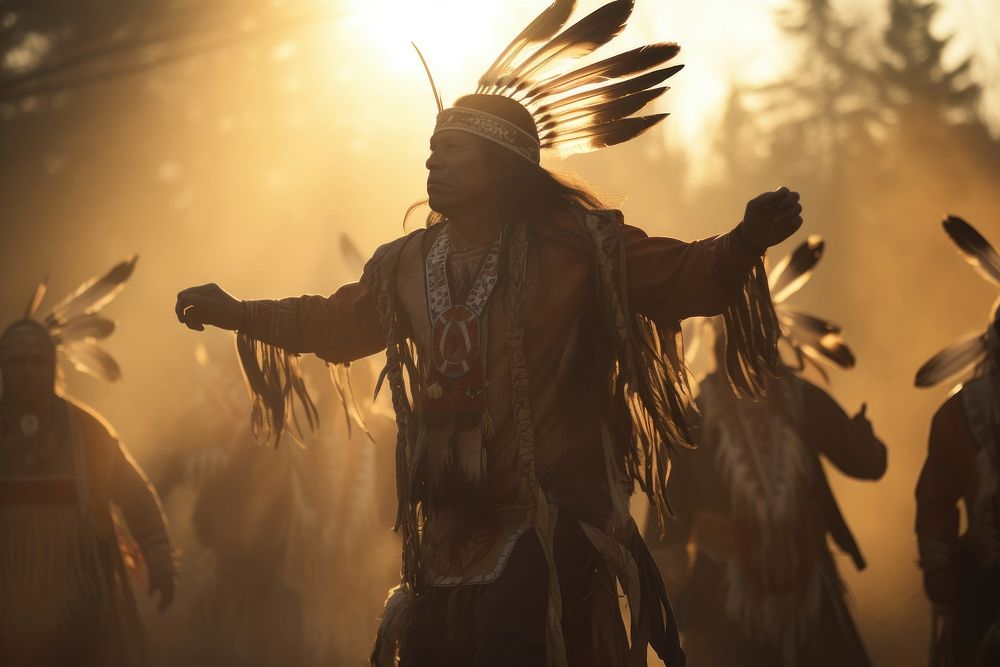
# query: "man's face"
28,378
459,177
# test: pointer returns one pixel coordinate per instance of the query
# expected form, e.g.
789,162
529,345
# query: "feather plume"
600,113
580,39
430,77
622,65
36,298
88,358
84,327
607,93
94,294
952,360
601,136
831,348
545,25
807,326
974,248
353,260
818,339
795,269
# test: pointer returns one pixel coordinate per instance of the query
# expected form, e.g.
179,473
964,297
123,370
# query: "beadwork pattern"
493,128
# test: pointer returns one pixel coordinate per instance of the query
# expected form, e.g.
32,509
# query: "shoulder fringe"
380,275
653,399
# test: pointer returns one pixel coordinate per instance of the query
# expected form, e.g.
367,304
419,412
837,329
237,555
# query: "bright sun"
458,37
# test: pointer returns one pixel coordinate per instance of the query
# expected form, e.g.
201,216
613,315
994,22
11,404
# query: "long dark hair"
532,194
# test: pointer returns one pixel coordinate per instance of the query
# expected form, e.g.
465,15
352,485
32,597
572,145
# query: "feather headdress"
535,95
75,326
970,352
814,340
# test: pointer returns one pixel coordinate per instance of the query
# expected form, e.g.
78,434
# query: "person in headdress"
758,584
532,343
64,592
961,573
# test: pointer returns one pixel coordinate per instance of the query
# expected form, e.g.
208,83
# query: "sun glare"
457,37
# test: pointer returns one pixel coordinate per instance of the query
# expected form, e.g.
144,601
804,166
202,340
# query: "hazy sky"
723,41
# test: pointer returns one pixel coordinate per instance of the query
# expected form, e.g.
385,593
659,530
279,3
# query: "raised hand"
208,304
771,217
860,426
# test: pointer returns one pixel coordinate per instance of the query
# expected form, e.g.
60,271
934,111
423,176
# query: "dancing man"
533,356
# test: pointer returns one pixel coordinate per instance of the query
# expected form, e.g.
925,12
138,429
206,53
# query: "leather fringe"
752,332
275,383
652,397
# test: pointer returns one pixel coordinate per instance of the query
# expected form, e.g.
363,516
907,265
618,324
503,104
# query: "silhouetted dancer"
64,592
532,341
755,508
962,573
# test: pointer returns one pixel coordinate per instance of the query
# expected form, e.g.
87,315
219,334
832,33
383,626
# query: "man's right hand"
208,304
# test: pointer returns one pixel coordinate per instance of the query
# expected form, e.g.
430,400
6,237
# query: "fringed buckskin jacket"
584,382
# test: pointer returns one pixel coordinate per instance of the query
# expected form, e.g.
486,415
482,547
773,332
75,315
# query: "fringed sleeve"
339,329
670,280
649,285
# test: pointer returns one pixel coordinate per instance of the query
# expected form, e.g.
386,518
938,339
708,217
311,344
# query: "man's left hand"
771,218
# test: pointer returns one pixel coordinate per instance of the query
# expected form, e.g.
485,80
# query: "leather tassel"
488,426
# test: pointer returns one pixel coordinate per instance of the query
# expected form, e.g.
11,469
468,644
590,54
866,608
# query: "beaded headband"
492,128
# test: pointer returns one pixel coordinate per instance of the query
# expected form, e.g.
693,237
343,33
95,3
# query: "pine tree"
822,113
918,79
935,108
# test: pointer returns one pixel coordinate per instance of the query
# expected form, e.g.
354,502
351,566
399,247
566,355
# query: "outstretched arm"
339,328
849,443
669,280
